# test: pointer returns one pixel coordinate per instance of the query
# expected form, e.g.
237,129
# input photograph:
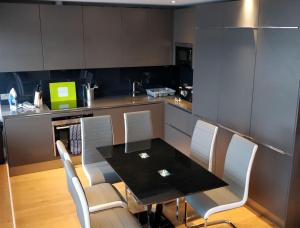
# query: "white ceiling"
142,2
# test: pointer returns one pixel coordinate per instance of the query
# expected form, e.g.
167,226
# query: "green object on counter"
62,91
63,105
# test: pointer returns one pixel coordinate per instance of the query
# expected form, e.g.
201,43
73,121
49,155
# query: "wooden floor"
6,220
42,200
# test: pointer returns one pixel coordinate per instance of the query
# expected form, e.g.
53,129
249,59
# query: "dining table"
155,173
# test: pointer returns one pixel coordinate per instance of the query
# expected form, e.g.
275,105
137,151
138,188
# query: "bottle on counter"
12,99
38,98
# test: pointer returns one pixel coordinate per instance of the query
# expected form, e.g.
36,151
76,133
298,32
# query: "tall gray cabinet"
246,80
276,87
236,79
207,67
20,38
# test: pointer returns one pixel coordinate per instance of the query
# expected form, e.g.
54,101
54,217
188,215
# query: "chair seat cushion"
101,194
216,200
100,172
113,218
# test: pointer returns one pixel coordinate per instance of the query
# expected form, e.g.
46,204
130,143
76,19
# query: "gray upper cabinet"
279,13
102,36
276,87
209,15
185,25
160,37
236,79
62,34
241,14
206,73
20,38
135,37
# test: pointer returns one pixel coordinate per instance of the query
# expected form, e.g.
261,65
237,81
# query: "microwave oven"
184,55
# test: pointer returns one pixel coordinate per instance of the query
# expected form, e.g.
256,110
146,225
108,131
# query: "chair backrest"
70,172
238,164
95,132
78,195
63,153
203,142
138,126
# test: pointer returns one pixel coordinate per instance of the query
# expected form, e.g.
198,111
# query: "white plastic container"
160,92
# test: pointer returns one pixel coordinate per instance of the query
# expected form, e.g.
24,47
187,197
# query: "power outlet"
4,96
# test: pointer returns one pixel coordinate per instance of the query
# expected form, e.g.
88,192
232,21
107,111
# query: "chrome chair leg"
185,213
149,210
177,208
217,222
126,193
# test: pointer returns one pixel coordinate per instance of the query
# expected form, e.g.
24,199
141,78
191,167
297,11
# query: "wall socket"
4,96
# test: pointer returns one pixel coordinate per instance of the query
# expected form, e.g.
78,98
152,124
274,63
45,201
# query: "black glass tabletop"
156,172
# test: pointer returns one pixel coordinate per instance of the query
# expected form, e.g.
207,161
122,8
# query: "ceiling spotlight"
173,1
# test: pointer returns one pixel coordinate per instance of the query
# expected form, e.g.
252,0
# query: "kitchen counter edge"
100,103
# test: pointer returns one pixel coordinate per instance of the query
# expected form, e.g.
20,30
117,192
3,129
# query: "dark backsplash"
111,82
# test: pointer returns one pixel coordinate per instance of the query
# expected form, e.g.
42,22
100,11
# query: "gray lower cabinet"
185,25
179,118
279,13
29,140
178,139
221,146
102,36
62,36
20,38
270,176
179,126
207,70
270,184
236,79
276,87
117,115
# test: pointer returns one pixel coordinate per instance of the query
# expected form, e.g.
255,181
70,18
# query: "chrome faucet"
135,84
133,89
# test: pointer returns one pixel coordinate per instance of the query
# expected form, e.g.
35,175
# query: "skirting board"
265,212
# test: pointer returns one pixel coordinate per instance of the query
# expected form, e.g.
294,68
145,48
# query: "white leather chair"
203,143
97,132
63,153
105,215
138,126
237,169
96,195
202,147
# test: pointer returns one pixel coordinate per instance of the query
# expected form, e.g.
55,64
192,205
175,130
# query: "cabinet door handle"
62,128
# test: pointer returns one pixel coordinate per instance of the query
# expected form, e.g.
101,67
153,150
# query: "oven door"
61,131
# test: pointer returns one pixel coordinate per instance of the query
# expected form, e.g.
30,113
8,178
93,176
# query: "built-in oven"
67,129
184,67
184,54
